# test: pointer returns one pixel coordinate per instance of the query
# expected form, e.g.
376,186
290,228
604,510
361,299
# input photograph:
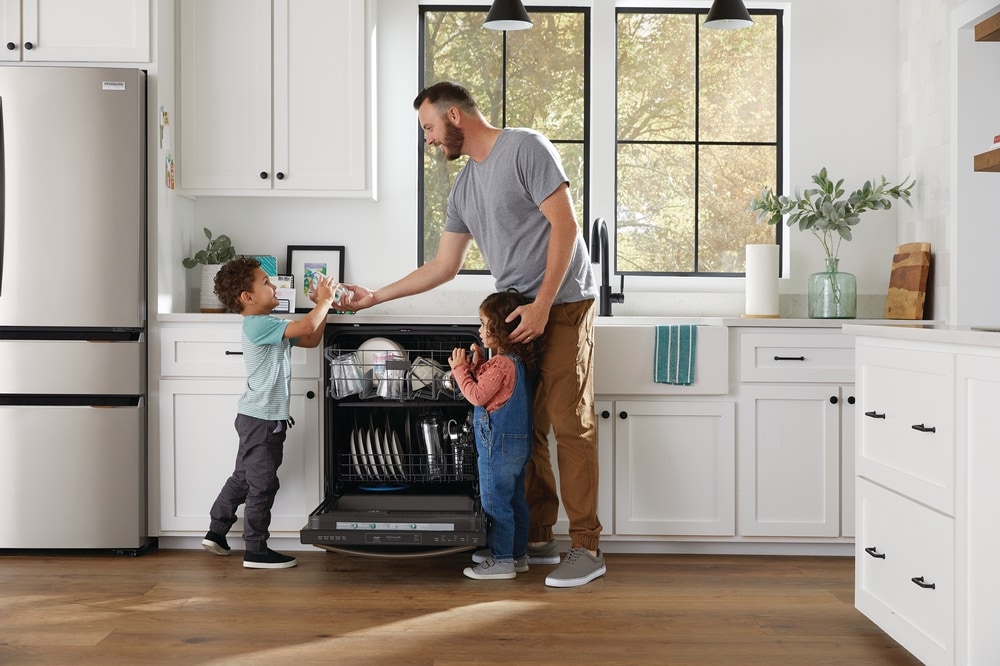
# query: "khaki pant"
564,403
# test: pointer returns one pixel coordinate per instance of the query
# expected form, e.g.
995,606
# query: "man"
513,197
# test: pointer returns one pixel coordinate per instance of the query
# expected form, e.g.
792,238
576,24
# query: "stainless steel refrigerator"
72,308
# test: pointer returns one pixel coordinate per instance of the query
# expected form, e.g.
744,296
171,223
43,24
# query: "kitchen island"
928,500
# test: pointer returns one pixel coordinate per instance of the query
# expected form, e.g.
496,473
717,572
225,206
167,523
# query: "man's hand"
534,317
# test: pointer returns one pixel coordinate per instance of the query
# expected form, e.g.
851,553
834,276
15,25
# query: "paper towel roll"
762,281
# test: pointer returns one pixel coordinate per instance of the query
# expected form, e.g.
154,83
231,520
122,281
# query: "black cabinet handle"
263,175
310,395
789,358
232,353
605,414
833,400
875,415
11,46
623,415
851,400
922,428
280,175
919,580
29,45
873,551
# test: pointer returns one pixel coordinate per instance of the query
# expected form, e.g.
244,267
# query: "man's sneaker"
483,554
269,559
215,543
579,568
490,569
547,553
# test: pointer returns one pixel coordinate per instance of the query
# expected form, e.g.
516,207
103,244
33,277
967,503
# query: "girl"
501,390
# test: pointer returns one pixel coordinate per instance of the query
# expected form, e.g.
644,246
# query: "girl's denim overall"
503,442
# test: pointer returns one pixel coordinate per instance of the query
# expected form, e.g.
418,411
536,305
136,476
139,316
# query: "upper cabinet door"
321,133
225,95
76,30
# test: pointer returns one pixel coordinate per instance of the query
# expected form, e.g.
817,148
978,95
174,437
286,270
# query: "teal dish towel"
674,354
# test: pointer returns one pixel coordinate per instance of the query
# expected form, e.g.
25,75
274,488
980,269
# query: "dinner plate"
373,353
397,456
355,456
378,445
373,473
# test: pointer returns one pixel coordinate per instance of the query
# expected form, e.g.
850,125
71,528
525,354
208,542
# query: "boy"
262,417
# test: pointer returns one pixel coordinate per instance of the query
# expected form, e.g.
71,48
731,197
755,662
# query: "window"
698,124
698,135
529,78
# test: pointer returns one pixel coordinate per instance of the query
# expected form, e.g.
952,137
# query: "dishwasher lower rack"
397,521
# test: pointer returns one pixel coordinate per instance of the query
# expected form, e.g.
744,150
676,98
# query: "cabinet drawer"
905,571
796,357
906,423
215,350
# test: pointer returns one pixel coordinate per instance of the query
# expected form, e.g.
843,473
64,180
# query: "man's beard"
454,139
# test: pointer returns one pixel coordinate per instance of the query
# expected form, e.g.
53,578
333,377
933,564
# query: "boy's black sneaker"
269,559
215,543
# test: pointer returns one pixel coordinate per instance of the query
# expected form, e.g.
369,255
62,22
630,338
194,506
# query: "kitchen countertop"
617,320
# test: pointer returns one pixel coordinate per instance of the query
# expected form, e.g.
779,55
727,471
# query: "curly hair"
235,277
494,310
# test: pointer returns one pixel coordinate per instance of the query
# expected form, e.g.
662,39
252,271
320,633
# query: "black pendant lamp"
507,15
728,15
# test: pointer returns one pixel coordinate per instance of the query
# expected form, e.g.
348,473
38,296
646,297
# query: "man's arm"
558,210
445,265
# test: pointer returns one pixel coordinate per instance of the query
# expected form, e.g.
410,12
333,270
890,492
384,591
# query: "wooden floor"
191,607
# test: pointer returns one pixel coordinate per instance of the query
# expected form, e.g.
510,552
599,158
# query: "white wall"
842,108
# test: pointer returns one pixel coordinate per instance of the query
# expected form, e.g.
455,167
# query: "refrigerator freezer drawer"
72,367
72,477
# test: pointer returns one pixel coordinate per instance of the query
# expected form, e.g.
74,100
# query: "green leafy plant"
219,251
825,211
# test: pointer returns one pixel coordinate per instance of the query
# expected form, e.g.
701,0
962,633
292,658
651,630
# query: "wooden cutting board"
908,281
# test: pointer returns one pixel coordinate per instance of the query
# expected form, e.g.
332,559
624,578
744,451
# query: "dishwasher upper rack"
391,373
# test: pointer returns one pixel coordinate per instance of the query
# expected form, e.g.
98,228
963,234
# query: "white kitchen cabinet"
75,30
203,376
674,467
928,498
795,433
274,98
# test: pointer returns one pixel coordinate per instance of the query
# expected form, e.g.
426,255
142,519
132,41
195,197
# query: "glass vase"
832,294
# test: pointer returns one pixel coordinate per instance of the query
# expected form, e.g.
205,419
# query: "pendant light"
728,15
507,15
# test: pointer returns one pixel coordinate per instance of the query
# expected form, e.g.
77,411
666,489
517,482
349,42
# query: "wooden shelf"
988,161
989,29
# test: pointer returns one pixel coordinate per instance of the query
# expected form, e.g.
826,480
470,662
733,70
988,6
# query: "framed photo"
304,260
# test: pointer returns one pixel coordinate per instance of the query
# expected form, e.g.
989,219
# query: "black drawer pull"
232,353
875,415
873,551
922,428
789,358
605,414
919,580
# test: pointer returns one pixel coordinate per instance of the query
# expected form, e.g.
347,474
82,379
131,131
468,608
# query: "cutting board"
908,281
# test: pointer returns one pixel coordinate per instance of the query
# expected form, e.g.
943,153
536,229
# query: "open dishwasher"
400,476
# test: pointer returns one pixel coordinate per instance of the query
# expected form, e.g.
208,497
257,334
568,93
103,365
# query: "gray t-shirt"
497,201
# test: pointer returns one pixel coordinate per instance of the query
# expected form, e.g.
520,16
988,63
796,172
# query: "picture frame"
304,260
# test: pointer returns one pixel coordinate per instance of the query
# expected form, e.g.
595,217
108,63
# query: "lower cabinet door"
675,468
905,571
198,450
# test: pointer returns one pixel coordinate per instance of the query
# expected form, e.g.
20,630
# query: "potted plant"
218,251
825,211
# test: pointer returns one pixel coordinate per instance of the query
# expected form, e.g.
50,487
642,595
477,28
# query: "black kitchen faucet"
599,255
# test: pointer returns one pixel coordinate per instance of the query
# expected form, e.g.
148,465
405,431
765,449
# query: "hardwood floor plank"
189,607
